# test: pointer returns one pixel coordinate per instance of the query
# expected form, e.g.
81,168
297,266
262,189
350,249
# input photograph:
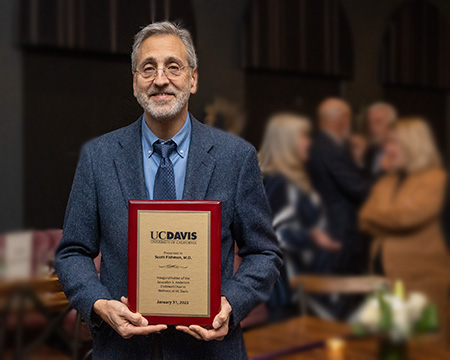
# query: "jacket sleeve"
253,232
347,176
386,212
80,243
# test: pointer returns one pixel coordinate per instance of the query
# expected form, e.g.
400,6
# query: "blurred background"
65,78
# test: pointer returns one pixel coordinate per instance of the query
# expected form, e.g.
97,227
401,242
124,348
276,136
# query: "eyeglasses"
171,72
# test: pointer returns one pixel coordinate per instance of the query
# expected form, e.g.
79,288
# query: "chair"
306,285
37,303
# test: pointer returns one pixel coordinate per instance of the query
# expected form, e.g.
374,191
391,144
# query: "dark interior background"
65,74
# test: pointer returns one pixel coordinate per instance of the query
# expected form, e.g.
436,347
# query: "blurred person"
340,183
380,118
225,115
298,215
166,155
358,148
403,215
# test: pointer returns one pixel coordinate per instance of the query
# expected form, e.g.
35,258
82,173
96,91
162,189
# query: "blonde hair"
278,154
417,141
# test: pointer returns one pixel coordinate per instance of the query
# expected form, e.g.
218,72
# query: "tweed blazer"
109,173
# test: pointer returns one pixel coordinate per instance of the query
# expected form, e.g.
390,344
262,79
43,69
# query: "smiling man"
165,154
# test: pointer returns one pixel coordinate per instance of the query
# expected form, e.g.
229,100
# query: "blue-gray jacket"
109,173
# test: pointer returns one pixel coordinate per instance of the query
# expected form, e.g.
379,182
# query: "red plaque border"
215,208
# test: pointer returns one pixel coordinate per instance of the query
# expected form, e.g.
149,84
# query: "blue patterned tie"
164,188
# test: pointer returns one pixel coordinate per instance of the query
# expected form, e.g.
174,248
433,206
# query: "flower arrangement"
395,315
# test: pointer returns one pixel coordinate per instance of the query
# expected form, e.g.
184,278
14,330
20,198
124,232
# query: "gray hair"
388,108
164,28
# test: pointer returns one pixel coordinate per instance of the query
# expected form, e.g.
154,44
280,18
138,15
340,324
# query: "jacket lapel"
200,163
129,166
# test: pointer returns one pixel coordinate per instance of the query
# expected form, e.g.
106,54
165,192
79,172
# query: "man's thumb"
136,319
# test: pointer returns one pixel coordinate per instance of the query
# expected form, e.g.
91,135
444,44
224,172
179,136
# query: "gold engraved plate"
173,263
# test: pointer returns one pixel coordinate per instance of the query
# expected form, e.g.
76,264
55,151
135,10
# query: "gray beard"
167,110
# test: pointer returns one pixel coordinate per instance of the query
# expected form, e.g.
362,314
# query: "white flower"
370,314
415,305
401,324
404,314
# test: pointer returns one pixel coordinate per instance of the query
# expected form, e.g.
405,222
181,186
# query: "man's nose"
161,78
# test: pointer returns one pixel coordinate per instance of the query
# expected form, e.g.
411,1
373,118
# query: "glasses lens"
148,72
173,71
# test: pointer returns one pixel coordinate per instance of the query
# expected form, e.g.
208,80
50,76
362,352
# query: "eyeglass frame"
164,72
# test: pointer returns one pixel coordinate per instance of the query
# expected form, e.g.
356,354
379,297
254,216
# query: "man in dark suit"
165,154
380,118
340,183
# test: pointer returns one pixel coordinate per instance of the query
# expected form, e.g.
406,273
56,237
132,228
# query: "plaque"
174,260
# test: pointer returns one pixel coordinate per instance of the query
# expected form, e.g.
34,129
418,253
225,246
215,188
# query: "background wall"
11,139
53,100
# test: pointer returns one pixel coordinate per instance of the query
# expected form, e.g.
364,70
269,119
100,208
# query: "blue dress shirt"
178,158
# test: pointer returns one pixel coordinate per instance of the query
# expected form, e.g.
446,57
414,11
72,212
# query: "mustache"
166,90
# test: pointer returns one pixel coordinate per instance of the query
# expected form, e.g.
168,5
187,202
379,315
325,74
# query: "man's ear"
194,76
134,84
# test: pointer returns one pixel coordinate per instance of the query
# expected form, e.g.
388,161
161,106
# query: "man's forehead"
379,116
162,47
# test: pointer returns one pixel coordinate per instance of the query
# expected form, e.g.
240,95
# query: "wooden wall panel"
416,47
306,36
106,26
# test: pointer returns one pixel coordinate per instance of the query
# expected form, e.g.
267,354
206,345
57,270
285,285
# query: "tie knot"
164,148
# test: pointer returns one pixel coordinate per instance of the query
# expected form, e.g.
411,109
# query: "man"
380,118
201,163
340,184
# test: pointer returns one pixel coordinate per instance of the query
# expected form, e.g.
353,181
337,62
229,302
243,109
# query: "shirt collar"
181,138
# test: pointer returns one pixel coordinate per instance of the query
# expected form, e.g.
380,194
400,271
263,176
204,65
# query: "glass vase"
392,350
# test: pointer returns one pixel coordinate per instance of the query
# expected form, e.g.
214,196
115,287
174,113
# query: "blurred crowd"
350,204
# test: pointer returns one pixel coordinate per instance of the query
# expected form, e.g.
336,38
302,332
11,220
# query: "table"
311,332
41,295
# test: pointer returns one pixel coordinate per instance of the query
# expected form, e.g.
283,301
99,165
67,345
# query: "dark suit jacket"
370,158
342,187
109,173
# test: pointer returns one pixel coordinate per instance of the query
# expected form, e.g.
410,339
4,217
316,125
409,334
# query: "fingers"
145,330
334,245
220,325
325,242
200,333
220,319
209,335
224,314
125,322
188,331
128,331
134,318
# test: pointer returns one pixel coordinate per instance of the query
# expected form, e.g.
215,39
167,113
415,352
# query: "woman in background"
298,216
403,212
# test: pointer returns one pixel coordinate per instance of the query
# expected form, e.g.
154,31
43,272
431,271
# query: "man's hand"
122,320
324,241
219,326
